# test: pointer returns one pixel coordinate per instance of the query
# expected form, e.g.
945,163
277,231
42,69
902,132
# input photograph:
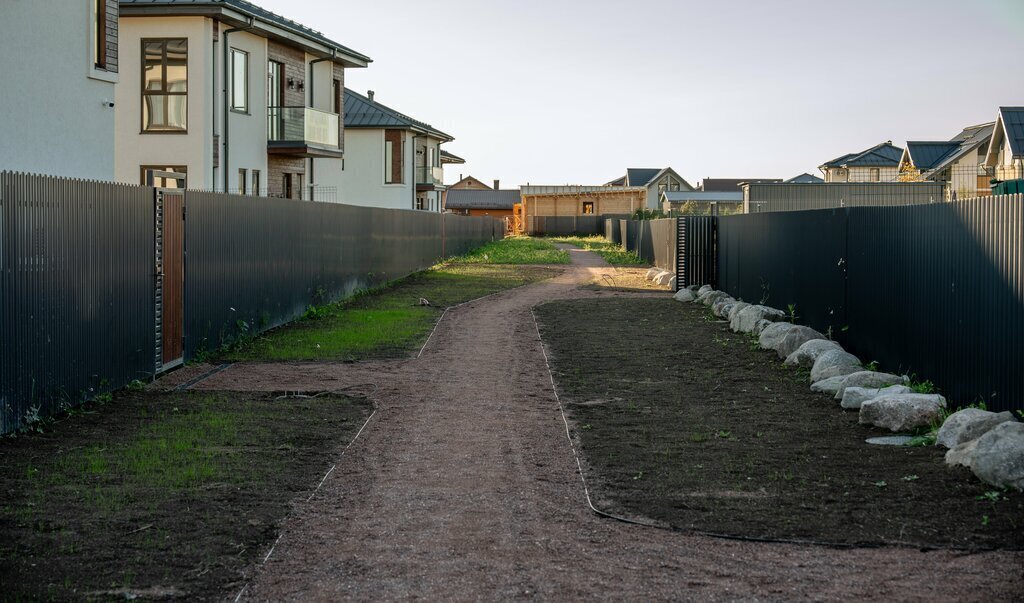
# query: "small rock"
890,440
808,352
902,412
834,362
747,319
795,338
773,334
998,458
424,302
653,272
828,386
854,397
968,424
684,295
961,454
871,379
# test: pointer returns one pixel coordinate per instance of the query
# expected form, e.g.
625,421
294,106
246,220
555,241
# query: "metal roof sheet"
641,176
927,154
882,155
804,178
464,198
250,9
703,196
447,157
361,112
1013,126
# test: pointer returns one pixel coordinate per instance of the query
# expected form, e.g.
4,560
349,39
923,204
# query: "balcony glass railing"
302,124
429,175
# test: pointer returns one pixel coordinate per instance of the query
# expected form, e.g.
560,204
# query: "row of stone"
662,277
990,444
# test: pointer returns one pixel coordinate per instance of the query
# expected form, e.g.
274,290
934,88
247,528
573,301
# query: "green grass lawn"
387,323
612,253
517,250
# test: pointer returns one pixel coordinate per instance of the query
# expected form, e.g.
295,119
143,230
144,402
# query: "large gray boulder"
834,362
969,424
871,379
747,319
796,337
705,289
736,307
718,308
998,458
809,351
828,386
726,308
854,397
902,412
962,454
773,334
684,295
653,272
664,278
714,297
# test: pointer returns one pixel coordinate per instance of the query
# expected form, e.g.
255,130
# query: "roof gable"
641,176
804,178
1012,119
361,112
925,155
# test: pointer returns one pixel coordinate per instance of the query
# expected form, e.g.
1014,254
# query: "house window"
421,202
394,166
588,207
162,182
165,85
99,32
242,177
875,177
286,186
239,80
256,183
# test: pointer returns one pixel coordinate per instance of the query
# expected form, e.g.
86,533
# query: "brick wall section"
294,61
339,74
277,167
397,154
111,28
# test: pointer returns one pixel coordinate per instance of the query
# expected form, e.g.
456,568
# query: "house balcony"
429,178
302,132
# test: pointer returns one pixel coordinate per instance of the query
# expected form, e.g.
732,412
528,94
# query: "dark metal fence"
696,256
77,276
587,225
935,290
613,230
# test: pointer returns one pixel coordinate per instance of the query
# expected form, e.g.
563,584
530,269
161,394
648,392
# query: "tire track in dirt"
464,487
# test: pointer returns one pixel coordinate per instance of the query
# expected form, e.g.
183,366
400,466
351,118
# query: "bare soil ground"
693,426
465,486
161,496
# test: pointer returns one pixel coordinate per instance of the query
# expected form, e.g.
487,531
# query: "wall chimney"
369,94
497,184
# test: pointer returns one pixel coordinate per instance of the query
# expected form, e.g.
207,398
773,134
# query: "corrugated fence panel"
663,243
76,292
798,197
696,242
612,231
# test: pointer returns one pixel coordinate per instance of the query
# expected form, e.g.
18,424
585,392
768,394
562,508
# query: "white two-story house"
59,61
235,97
392,160
959,162
880,163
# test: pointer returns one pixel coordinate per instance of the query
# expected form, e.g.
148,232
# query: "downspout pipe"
414,176
227,101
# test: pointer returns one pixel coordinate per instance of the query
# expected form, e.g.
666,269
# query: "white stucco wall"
247,132
53,118
362,181
194,149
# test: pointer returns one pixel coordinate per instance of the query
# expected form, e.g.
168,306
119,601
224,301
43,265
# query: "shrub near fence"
936,290
77,282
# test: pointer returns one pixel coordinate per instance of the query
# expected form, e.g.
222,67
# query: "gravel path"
464,486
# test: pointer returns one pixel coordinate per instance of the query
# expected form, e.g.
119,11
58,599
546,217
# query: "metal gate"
170,278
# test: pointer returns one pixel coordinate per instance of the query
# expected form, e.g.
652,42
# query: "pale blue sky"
576,91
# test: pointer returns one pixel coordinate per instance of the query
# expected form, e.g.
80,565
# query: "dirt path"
464,486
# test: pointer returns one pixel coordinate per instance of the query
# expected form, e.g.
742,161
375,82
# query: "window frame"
591,206
181,169
243,181
244,109
99,32
162,92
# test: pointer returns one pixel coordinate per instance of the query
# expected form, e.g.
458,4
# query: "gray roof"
461,198
1013,127
804,178
703,196
361,112
447,157
246,8
641,176
881,155
928,154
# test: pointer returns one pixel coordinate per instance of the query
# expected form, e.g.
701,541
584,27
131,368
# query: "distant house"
804,178
540,202
481,202
701,202
880,163
471,183
732,185
60,71
959,162
1006,149
392,160
655,180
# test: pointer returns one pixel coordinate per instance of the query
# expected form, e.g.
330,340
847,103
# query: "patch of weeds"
791,310
910,478
992,496
516,250
871,366
136,385
723,434
639,475
923,387
612,253
880,484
